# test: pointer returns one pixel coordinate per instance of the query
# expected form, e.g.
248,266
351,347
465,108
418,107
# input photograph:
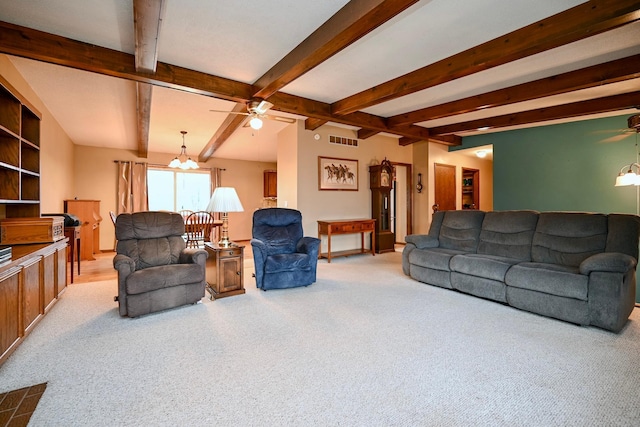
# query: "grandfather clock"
380,181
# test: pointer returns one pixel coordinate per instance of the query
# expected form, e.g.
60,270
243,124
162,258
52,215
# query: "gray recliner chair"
155,269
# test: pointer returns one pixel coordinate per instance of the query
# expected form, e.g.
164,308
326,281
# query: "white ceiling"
241,40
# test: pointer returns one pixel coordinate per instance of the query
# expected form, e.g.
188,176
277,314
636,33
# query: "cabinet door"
9,310
270,184
32,293
61,270
231,274
48,279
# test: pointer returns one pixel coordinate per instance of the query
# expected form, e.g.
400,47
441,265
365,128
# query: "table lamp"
225,200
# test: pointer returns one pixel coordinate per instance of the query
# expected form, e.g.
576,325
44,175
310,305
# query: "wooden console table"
347,226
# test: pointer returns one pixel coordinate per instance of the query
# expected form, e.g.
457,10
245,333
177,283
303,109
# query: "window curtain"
216,181
132,187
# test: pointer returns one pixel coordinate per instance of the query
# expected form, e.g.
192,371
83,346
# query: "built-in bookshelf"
19,155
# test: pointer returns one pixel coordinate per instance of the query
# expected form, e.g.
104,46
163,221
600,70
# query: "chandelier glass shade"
183,161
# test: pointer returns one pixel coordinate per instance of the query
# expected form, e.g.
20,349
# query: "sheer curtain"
132,187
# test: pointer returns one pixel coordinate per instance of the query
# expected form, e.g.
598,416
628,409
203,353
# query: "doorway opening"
401,202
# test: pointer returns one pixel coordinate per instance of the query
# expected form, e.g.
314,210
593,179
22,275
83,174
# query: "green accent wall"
564,167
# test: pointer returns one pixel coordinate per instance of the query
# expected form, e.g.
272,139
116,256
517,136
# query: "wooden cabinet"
19,154
225,276
88,211
30,284
270,183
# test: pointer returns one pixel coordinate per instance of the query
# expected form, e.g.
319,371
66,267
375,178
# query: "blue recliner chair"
283,258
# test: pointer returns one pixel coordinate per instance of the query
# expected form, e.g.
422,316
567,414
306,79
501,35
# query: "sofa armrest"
124,264
610,262
308,245
422,241
193,256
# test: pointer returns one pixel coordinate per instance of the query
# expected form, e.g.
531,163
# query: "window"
175,190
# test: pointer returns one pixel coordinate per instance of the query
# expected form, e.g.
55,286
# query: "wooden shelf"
19,154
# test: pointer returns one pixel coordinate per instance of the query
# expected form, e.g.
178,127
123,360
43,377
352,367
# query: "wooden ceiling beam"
367,133
596,75
46,47
577,23
321,110
575,109
313,124
143,116
147,18
228,127
355,20
41,46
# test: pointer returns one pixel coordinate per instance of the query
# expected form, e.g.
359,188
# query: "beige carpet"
364,346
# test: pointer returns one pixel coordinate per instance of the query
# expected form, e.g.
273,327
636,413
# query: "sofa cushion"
163,276
550,279
460,230
485,266
568,238
434,258
508,234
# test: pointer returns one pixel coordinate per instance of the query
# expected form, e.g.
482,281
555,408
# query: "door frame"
409,195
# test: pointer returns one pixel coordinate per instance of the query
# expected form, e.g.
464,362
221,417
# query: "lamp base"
225,243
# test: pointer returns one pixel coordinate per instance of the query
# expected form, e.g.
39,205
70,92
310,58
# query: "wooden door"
444,182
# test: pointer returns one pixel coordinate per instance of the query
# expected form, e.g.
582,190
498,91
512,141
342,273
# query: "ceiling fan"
257,109
634,127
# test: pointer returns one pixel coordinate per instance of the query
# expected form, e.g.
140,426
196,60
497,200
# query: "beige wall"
322,205
95,177
56,148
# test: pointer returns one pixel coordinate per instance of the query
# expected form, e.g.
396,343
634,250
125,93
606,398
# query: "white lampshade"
225,199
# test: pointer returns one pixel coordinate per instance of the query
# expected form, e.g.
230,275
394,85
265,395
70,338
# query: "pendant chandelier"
183,161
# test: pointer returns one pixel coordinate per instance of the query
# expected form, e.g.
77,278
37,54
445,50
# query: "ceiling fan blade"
279,118
230,112
617,138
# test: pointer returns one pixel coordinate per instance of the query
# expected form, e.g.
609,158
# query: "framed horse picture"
337,174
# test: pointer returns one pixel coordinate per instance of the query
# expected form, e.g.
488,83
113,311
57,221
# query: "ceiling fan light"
624,179
255,123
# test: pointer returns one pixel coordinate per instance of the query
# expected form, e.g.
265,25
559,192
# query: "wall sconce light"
419,185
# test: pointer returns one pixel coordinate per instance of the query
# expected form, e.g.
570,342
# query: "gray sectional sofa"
577,267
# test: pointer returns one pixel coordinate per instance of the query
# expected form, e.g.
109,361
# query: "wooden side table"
224,271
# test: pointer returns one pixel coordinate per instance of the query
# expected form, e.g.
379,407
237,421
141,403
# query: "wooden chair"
198,228
185,213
